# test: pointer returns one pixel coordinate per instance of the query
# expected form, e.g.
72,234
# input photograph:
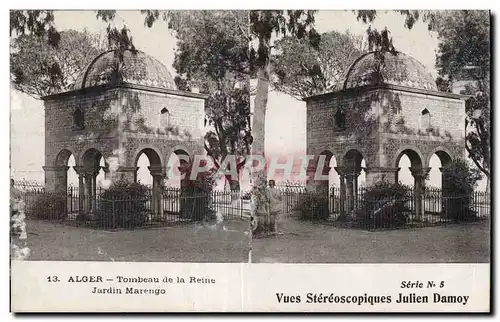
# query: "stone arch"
91,158
352,158
419,174
62,158
182,149
173,172
149,172
323,159
413,153
154,156
444,155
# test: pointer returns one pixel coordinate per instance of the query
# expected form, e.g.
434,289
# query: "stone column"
342,192
445,193
81,189
311,172
56,178
88,191
322,185
349,185
419,174
354,177
94,175
158,174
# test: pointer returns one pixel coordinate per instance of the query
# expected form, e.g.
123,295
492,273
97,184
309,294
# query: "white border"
189,4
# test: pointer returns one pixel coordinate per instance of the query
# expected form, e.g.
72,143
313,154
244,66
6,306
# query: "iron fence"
170,206
173,206
359,211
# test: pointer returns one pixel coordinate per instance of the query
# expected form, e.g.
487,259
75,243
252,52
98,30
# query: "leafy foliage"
459,182
312,206
383,190
39,69
196,196
124,205
383,206
301,70
49,206
460,178
464,55
39,23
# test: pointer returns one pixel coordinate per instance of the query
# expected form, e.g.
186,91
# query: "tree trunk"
261,219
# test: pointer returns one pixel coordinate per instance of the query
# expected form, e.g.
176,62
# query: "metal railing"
359,211
168,207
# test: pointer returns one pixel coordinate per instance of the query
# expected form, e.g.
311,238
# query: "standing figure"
275,207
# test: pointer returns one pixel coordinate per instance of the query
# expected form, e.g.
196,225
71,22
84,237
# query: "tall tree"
264,24
464,55
39,23
301,70
212,55
38,68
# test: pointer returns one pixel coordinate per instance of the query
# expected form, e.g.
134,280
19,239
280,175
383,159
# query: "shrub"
124,205
49,206
312,206
247,195
382,205
459,182
196,197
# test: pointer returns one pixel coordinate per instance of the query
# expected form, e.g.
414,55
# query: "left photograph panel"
122,123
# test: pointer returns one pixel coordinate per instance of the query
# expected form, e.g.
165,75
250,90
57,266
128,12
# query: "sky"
286,116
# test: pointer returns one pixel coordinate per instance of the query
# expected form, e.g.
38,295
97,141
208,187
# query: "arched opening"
176,164
412,173
323,166
66,179
435,175
151,173
176,167
164,118
438,162
78,119
72,174
425,119
339,119
143,174
65,163
101,176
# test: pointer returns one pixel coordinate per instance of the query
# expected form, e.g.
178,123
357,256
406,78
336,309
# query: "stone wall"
123,118
360,124
183,119
382,123
100,122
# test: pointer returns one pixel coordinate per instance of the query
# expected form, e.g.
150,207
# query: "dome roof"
395,69
138,68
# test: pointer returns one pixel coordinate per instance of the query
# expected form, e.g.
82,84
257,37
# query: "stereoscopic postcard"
250,161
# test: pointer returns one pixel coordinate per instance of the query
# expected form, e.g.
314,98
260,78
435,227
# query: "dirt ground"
226,243
305,242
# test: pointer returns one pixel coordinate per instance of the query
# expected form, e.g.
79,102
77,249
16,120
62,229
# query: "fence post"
113,213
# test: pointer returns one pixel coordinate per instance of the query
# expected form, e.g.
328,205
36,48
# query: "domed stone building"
385,105
117,110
